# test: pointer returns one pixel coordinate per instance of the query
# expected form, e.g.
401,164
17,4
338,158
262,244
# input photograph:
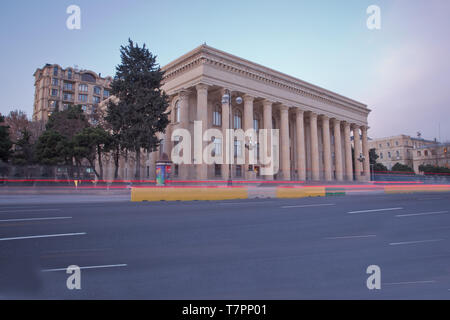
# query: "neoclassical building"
315,125
317,128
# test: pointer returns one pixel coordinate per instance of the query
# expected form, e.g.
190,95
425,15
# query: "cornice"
227,62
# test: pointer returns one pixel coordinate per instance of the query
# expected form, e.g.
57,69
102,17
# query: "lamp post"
226,98
361,159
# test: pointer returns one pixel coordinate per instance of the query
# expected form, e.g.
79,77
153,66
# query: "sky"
400,71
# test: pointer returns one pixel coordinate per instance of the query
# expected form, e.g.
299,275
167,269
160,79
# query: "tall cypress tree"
5,141
141,109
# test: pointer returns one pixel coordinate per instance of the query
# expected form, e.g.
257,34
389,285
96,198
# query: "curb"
211,193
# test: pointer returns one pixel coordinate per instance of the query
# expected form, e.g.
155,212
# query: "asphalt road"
315,248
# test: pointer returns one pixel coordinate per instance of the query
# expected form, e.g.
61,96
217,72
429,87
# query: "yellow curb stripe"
187,194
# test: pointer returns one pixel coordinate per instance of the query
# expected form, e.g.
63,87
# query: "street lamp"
226,98
361,159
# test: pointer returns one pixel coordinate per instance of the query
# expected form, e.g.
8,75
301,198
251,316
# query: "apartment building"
57,88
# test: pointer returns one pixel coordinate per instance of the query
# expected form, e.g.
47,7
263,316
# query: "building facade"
315,125
436,154
57,88
401,149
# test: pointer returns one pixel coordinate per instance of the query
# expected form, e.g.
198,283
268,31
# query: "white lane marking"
88,267
425,199
35,219
44,236
375,210
351,237
408,282
414,242
309,205
30,210
244,202
420,214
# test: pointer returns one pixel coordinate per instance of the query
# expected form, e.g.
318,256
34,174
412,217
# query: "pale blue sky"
400,72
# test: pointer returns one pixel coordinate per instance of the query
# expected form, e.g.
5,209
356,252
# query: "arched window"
237,120
217,115
69,74
177,111
87,77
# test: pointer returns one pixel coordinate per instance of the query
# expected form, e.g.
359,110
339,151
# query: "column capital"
336,121
284,108
354,126
248,98
201,87
364,128
313,115
183,94
324,117
267,103
299,112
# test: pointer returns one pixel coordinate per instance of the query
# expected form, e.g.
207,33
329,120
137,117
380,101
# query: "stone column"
365,151
348,152
267,106
183,171
202,115
326,148
314,146
225,139
357,152
338,150
301,154
248,124
284,144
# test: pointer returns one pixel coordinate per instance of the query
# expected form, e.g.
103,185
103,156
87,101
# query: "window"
55,71
54,82
388,144
83,97
396,143
54,92
238,171
380,145
87,77
177,111
217,170
381,155
68,86
69,74
237,123
389,154
65,106
397,153
255,122
419,153
96,99
84,108
97,90
106,93
217,116
68,97
83,88
53,105
217,147
237,148
426,152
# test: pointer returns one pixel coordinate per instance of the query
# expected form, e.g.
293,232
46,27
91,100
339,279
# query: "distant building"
436,154
405,150
57,88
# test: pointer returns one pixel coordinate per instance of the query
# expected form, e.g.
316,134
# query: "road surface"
315,248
